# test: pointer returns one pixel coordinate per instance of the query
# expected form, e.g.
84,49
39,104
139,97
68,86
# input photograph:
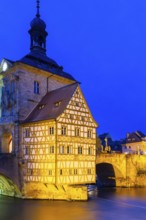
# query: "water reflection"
106,204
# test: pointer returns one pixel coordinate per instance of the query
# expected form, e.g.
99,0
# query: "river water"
104,204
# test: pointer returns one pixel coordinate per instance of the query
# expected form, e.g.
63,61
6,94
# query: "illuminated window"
50,172
89,134
90,151
80,150
41,106
78,117
82,118
52,150
61,149
38,172
63,130
71,116
70,171
57,104
75,171
27,132
51,130
77,132
77,104
36,87
89,171
69,149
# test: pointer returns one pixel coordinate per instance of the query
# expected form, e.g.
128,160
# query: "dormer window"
57,104
36,87
41,106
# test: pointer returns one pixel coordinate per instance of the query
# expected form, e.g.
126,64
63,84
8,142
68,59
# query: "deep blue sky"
102,43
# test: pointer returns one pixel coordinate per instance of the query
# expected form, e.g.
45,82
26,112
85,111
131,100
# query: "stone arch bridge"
112,170
123,170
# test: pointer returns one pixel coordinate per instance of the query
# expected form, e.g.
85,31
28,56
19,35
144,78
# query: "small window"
80,150
77,104
51,130
63,130
75,171
71,116
36,87
57,104
70,171
52,150
41,106
61,172
89,134
69,149
77,132
90,151
27,132
82,118
61,149
50,172
89,171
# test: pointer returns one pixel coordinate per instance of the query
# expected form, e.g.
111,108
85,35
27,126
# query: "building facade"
46,123
135,143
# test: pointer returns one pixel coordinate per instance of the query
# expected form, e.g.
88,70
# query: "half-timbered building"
45,121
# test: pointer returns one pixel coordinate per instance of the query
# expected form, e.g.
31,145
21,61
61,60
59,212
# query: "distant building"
134,143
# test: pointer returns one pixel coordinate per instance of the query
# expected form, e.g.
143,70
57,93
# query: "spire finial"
38,8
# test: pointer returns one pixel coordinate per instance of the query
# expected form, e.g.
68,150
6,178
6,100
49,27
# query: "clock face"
5,66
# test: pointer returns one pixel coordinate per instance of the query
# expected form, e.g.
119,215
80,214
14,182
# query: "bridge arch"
7,187
108,174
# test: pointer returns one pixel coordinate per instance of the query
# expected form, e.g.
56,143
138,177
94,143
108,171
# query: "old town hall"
46,124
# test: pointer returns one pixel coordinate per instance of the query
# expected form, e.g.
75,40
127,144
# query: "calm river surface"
107,204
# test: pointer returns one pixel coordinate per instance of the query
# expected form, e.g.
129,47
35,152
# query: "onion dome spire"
38,9
38,33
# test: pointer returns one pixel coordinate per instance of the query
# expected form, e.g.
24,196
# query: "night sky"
101,43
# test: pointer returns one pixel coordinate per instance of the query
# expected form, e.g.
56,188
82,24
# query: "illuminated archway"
8,188
6,142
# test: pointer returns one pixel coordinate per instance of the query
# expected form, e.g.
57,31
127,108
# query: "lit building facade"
45,121
135,143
